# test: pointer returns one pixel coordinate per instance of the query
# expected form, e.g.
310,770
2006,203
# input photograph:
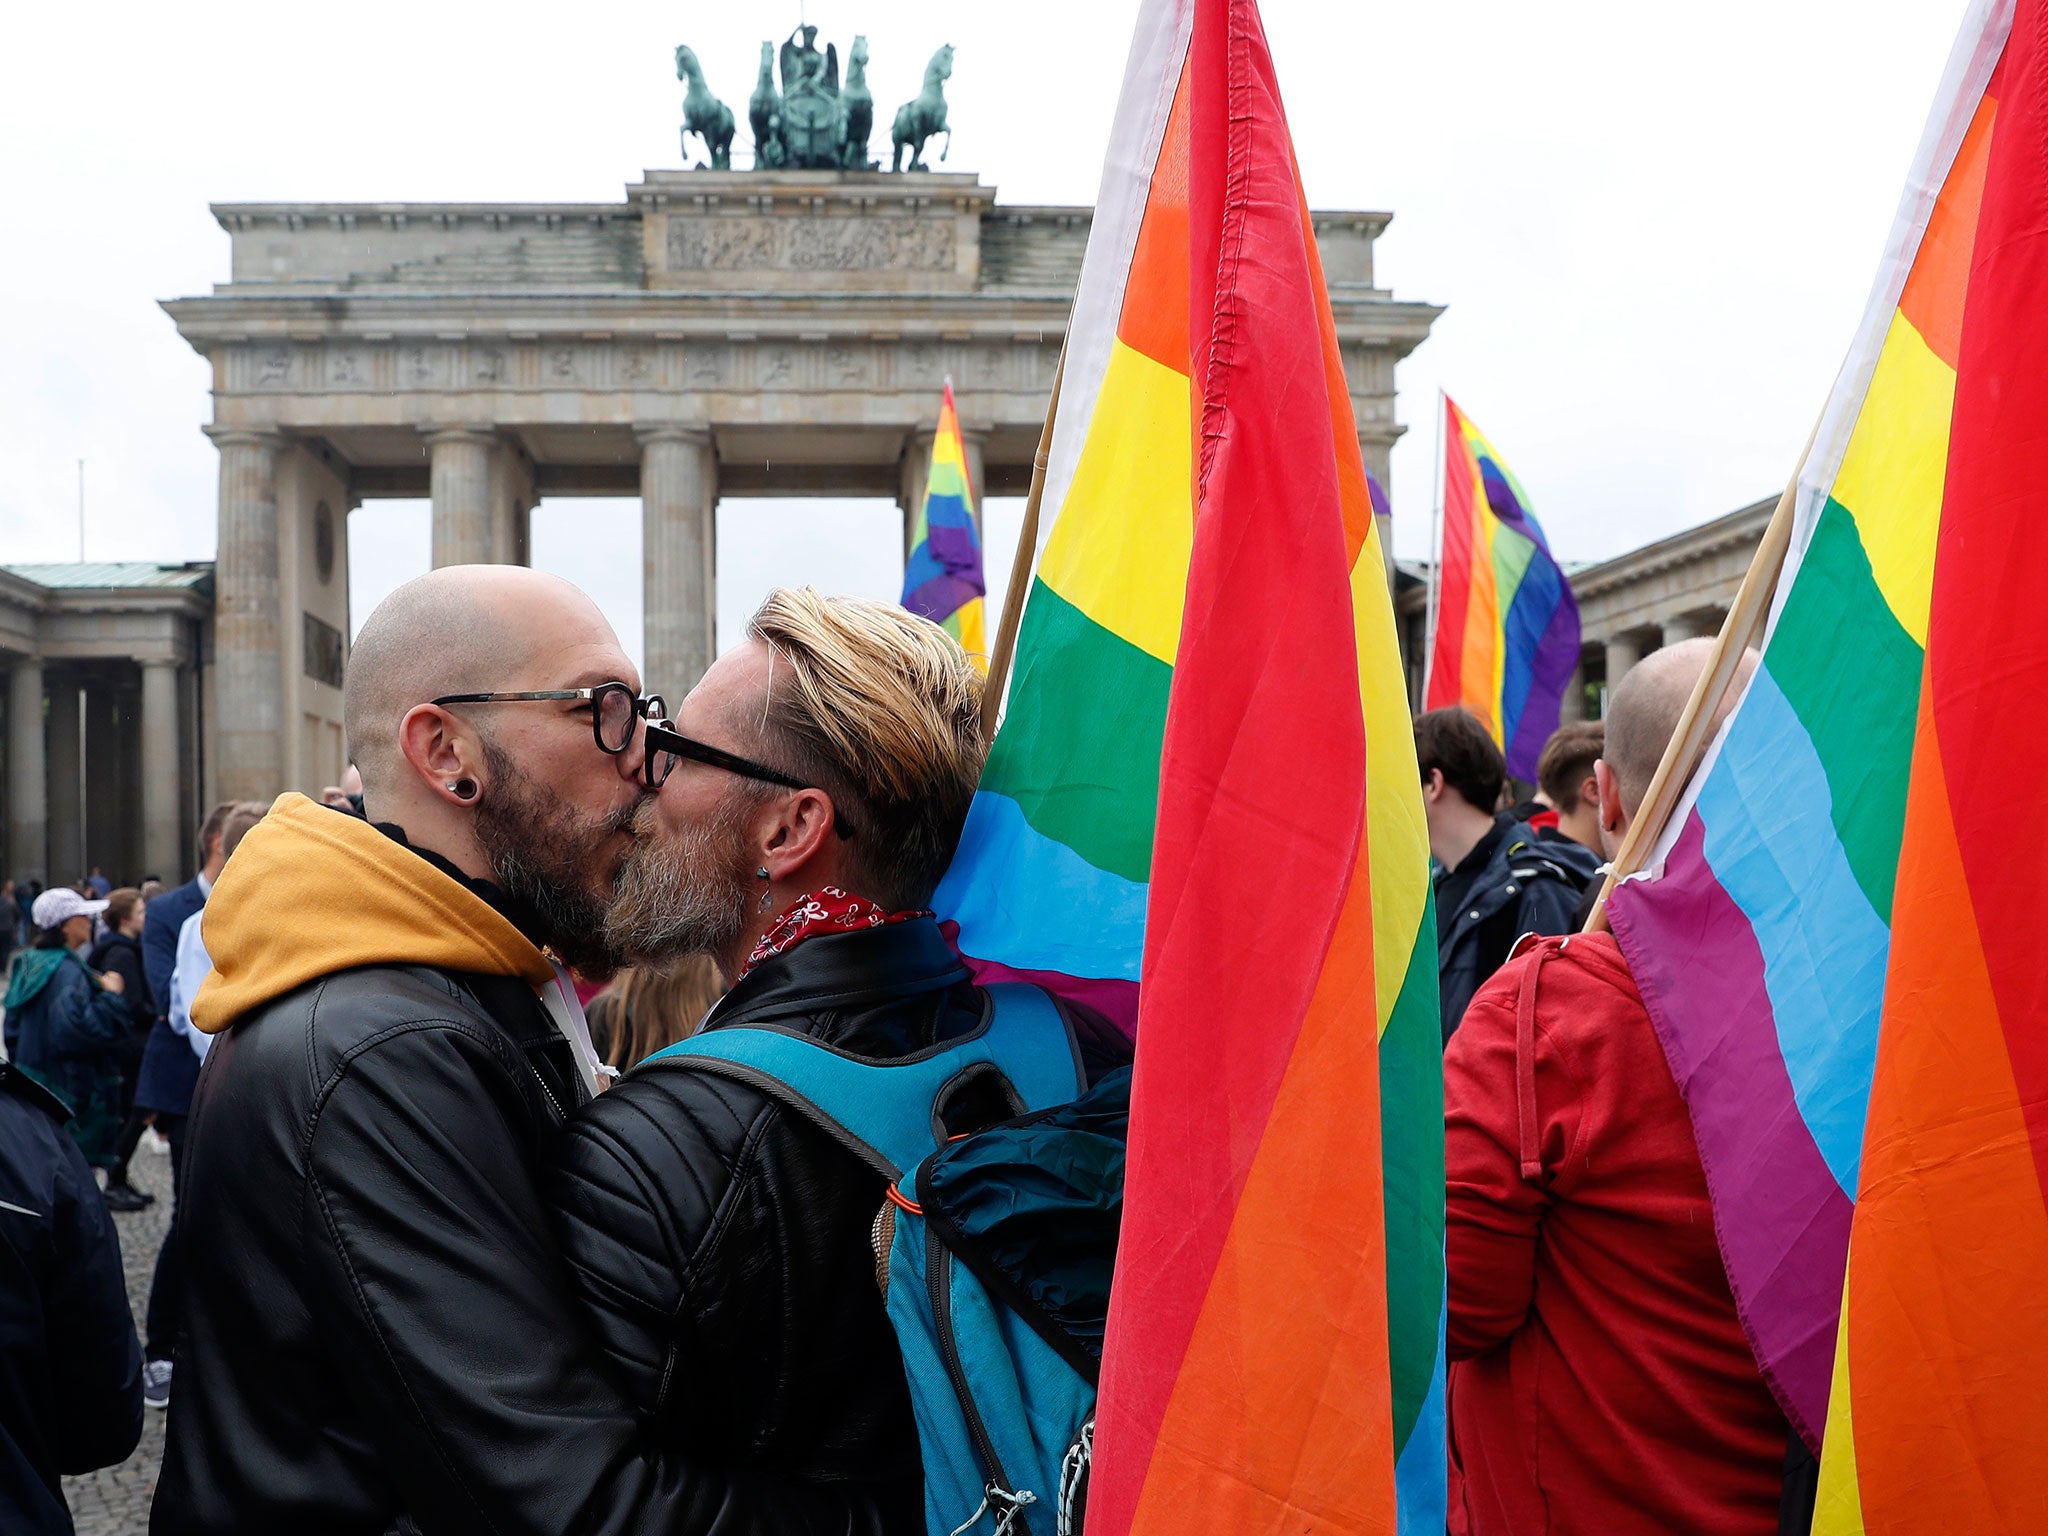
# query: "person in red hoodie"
1600,1380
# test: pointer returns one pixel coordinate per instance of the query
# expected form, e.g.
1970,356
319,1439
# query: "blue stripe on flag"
1771,842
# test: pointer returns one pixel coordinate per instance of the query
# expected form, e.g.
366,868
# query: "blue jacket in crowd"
70,1367
170,1067
64,1029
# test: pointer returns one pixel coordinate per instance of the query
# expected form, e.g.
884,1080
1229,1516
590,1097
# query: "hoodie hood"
32,971
311,891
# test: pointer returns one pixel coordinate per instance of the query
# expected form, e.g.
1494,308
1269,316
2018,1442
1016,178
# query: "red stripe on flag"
1987,644
1259,844
1447,683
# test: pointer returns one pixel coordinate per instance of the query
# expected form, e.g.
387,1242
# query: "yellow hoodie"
312,891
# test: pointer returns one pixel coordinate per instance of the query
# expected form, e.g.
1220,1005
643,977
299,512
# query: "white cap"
58,905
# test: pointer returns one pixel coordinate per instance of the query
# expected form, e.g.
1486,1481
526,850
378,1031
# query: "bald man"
379,1333
1600,1379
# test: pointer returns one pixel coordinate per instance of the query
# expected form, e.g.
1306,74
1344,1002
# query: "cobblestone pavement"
115,1500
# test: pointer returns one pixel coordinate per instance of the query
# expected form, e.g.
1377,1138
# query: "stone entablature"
1684,582
713,334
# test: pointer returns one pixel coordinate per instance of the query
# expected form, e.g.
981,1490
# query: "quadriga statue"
703,113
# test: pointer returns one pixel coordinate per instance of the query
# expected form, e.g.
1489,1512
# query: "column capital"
696,434
267,438
460,432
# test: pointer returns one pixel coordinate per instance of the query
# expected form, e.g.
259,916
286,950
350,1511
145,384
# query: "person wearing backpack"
722,1219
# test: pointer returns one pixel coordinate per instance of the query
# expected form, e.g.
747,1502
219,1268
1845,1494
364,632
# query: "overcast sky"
1653,226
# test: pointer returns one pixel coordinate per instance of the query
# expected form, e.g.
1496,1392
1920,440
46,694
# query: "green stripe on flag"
1852,675
1412,1167
1079,746
1512,553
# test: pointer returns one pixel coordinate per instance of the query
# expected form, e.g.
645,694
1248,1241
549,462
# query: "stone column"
248,629
678,497
160,770
1623,652
1573,706
460,476
28,825
916,470
511,505
107,812
1684,626
67,774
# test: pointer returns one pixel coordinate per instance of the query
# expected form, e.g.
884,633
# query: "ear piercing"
463,789
762,872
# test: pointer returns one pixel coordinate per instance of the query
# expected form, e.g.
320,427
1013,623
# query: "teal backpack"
998,1245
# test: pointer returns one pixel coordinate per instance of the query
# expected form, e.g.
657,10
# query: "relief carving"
806,244
562,365
346,368
706,366
273,368
778,365
488,366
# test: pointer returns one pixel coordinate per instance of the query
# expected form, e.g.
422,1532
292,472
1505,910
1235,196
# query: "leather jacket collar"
838,973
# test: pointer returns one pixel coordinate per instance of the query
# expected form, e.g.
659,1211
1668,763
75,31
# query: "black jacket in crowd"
722,1241
70,1368
122,955
379,1331
1513,882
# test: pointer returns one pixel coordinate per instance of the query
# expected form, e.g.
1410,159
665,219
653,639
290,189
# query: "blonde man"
812,789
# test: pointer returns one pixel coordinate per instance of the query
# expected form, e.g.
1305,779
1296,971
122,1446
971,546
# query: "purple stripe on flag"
1111,996
941,597
955,549
1782,1219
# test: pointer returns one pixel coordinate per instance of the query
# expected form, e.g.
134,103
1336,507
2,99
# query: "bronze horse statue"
764,113
856,110
703,113
925,117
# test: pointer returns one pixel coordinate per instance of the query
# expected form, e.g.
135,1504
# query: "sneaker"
156,1383
126,1197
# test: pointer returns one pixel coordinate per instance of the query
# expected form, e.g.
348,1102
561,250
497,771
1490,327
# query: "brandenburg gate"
715,334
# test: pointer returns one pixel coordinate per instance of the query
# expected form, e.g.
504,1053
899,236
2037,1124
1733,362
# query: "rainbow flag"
1201,814
942,579
1836,934
1507,625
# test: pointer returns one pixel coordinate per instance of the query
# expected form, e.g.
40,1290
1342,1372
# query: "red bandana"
825,910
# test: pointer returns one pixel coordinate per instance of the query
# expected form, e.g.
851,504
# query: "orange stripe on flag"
1935,289
1155,313
1950,1241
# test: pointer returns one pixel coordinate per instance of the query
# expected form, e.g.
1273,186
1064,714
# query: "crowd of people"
449,1250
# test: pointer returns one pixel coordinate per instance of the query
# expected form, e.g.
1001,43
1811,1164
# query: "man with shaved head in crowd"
1600,1379
380,1335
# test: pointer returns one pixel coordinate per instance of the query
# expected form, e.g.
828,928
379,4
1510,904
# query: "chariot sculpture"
807,119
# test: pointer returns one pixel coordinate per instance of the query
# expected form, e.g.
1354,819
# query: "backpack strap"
885,1111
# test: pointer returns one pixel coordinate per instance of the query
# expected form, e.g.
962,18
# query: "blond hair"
880,709
647,1009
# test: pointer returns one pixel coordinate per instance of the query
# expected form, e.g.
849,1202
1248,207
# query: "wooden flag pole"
1432,616
1020,567
1688,744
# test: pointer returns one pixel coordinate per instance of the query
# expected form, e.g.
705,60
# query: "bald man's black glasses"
615,710
666,747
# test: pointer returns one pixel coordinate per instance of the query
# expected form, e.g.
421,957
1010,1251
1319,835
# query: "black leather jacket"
721,1241
379,1332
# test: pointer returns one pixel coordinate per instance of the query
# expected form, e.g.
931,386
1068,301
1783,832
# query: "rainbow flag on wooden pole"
1201,813
1504,632
942,577
1837,931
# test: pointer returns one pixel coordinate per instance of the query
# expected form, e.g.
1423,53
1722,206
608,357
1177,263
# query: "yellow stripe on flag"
1397,841
1119,549
1894,468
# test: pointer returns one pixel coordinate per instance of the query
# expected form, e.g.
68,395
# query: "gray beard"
685,893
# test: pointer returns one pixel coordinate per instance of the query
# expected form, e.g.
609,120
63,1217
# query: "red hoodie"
1600,1381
